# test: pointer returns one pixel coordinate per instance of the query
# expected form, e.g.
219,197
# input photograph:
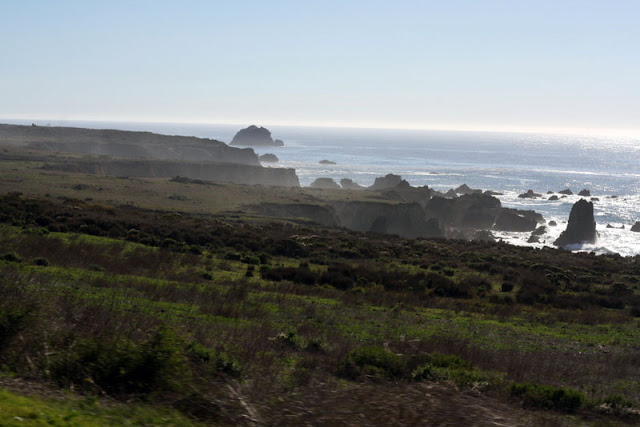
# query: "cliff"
120,143
208,171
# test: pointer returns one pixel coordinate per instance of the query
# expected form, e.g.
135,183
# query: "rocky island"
255,136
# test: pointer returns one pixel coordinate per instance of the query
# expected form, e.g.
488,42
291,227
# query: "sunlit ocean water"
511,163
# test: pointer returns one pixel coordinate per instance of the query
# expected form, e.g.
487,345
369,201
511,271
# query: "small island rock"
255,136
566,192
636,227
529,195
326,162
585,193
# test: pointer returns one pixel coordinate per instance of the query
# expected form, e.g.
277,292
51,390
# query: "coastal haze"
507,163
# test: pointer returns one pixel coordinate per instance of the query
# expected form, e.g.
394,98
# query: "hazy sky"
432,64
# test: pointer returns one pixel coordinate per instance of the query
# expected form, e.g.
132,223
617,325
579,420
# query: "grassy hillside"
228,321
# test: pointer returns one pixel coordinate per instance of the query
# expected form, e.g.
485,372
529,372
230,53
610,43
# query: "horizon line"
576,131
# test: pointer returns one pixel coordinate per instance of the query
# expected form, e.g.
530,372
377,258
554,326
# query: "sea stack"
255,136
581,227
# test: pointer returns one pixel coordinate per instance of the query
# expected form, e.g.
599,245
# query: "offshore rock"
636,227
581,227
566,192
529,195
255,136
585,193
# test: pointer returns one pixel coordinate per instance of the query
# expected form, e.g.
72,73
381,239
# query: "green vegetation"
228,321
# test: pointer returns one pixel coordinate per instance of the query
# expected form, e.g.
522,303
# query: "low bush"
41,261
122,367
372,361
11,257
548,397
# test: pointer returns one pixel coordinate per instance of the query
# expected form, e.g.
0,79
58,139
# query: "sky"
491,64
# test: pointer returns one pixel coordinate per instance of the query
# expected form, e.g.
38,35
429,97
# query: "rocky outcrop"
553,198
636,227
516,220
326,162
349,184
585,193
530,195
404,192
118,143
207,171
581,227
552,224
255,136
566,192
388,181
325,183
403,219
539,231
465,189
269,158
475,211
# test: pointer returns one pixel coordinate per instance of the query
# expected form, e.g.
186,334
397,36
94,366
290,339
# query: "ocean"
510,163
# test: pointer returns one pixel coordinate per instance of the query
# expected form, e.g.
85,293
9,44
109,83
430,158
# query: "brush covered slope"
235,321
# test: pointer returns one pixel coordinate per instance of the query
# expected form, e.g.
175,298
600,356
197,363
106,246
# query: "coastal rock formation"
206,171
414,212
349,184
465,189
539,231
516,220
581,227
388,181
269,158
553,198
404,192
552,224
403,219
118,143
326,162
636,227
255,136
585,193
566,192
529,195
325,183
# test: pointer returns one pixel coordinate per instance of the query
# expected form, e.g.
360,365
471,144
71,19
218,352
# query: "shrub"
548,397
506,287
429,372
12,320
617,401
213,361
372,361
123,367
11,257
41,261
